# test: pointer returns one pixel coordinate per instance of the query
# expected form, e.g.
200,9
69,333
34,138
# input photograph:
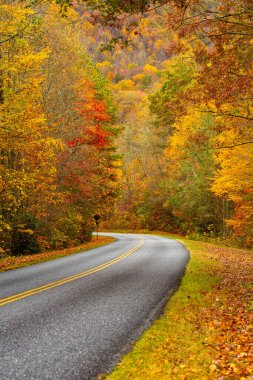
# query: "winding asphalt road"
73,318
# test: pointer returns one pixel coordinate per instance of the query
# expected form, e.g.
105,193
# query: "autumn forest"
140,112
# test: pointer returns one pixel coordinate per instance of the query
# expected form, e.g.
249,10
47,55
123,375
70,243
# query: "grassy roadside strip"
11,262
207,327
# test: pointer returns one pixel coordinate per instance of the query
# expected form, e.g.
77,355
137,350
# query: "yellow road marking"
31,292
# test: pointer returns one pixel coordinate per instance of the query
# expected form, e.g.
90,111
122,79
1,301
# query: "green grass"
176,346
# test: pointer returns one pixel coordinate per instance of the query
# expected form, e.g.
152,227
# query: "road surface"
73,318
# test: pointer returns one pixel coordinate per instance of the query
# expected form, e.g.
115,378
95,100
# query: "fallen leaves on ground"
230,314
11,262
205,332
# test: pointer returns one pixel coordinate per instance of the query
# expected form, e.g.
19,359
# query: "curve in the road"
40,289
81,329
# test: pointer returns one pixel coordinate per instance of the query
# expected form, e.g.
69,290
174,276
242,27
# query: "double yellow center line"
40,289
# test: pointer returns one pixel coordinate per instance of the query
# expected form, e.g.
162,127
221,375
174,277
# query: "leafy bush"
24,238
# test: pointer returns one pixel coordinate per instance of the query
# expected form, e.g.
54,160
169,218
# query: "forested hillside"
182,77
141,112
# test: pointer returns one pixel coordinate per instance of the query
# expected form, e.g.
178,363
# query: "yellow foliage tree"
234,178
28,159
125,84
150,69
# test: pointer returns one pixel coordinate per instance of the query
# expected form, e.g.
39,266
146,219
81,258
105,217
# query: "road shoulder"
206,327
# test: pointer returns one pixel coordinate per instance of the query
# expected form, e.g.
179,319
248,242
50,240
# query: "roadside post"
97,218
